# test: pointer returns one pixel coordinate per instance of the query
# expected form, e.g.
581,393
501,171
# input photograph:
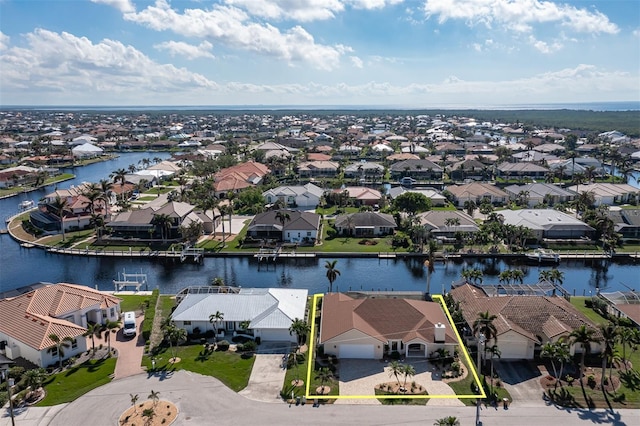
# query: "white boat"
27,204
541,255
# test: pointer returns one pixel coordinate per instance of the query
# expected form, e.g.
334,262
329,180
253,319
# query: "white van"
129,322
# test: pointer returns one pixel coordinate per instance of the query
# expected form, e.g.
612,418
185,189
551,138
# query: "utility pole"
481,343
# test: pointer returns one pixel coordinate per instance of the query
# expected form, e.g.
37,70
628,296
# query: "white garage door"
276,335
356,351
513,350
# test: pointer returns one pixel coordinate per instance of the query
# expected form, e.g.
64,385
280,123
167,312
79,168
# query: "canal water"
20,266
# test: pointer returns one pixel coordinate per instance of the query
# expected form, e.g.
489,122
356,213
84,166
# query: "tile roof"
382,319
32,317
532,316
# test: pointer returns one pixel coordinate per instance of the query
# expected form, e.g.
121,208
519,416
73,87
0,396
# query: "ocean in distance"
581,106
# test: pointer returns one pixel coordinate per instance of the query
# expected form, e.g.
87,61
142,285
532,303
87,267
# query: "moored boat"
541,255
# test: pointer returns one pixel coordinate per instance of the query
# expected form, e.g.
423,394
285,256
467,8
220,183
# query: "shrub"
223,345
395,355
249,346
591,381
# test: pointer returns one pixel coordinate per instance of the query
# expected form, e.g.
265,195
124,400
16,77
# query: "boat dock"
127,281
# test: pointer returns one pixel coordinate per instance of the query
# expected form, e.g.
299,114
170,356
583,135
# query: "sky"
385,53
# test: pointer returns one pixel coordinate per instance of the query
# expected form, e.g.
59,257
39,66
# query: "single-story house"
437,199
548,224
529,170
477,192
608,194
286,225
269,311
417,169
295,196
365,224
362,169
361,195
238,177
626,222
523,323
370,328
438,223
318,169
540,193
87,150
27,320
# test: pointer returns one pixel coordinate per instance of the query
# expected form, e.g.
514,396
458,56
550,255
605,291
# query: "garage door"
513,350
356,351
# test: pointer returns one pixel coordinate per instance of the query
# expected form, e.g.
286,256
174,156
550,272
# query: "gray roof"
539,189
543,219
430,193
263,307
435,219
298,220
414,164
366,219
295,191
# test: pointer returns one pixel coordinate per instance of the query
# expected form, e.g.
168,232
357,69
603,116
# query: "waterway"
20,266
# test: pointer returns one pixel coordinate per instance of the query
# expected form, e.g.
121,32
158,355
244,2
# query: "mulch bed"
549,382
166,413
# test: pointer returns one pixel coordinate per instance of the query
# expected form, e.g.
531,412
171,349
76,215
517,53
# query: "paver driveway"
360,377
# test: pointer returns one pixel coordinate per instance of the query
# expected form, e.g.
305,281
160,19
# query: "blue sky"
402,53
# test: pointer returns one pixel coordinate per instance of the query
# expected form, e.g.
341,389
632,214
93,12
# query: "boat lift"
127,281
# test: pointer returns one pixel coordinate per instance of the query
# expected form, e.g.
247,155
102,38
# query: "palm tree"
332,272
301,328
324,375
584,336
59,345
134,400
494,352
214,319
174,336
110,327
609,338
34,378
155,397
407,371
627,337
149,413
163,222
217,282
97,221
395,369
447,421
93,330
556,352
59,205
119,176
282,216
484,325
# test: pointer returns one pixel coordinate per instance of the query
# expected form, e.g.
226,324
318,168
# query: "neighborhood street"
204,400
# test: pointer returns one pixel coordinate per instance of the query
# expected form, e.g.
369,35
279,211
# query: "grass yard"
69,385
132,302
229,367
578,303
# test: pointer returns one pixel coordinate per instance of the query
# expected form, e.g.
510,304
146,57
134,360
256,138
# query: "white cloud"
298,10
372,4
75,66
357,62
520,15
189,51
4,41
232,27
636,32
543,46
124,6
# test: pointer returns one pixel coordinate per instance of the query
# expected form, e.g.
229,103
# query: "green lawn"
228,367
578,303
132,302
69,385
328,211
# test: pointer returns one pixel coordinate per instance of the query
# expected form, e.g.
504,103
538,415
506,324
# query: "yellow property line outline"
470,365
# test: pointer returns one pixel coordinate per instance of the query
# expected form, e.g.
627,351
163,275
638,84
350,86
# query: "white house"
269,311
87,150
27,320
307,196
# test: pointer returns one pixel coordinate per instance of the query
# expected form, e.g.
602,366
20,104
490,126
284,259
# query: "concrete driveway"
266,380
522,380
360,377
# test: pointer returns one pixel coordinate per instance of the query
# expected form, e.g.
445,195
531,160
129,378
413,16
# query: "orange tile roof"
383,319
31,317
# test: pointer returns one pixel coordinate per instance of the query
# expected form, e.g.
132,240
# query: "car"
407,181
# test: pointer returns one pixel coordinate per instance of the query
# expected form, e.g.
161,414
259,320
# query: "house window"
308,233
112,312
54,351
74,344
186,322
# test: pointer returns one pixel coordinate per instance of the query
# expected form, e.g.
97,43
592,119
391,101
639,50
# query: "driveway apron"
266,380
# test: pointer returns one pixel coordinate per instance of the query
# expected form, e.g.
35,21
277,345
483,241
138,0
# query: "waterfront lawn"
331,211
133,302
70,384
229,367
70,239
578,303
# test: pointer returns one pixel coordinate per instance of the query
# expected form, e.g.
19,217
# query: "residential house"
364,169
626,222
623,304
444,224
608,194
87,150
268,311
238,177
27,320
361,195
417,169
75,215
437,199
306,196
523,323
469,169
540,193
548,224
521,170
286,225
477,192
370,328
365,224
318,169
